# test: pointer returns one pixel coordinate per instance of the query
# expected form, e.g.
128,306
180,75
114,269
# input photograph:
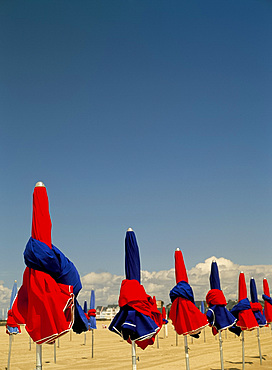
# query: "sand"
111,352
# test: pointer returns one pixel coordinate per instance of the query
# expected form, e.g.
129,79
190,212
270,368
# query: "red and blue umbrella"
92,312
255,304
218,315
12,327
138,320
242,310
185,316
267,301
46,302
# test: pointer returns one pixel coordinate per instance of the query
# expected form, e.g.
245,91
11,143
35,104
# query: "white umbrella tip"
264,278
129,229
241,272
15,281
252,278
39,183
177,249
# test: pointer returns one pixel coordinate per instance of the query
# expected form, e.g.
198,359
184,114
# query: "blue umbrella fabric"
11,326
202,307
138,319
255,304
218,316
92,312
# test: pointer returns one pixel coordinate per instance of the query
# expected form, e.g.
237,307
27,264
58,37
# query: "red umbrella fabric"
185,316
45,302
267,302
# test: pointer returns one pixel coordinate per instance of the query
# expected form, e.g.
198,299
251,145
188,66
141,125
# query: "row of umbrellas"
51,284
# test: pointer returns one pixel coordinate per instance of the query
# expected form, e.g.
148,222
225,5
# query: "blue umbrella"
219,317
92,318
134,322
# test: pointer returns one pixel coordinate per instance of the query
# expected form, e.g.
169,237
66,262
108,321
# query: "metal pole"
166,330
92,342
58,342
70,335
259,343
243,349
9,353
84,344
133,349
204,336
55,352
157,337
38,357
186,352
221,349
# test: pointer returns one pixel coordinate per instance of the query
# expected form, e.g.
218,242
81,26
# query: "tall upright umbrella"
46,302
243,313
11,327
185,316
257,311
85,309
92,318
219,317
267,302
138,320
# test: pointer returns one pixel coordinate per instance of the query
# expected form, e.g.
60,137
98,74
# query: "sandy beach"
111,352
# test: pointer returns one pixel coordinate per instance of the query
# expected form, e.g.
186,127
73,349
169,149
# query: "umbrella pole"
92,342
259,343
166,330
84,344
186,352
9,353
133,349
243,349
58,342
157,340
176,339
38,357
55,352
204,335
221,349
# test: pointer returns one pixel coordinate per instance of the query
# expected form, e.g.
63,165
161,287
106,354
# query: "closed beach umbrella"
257,311
243,313
138,320
92,318
46,302
185,316
12,328
92,312
267,301
219,317
242,310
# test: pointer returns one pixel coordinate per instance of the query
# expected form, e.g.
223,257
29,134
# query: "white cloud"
159,283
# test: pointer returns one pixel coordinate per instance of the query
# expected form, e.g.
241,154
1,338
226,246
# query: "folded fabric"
46,302
218,316
138,318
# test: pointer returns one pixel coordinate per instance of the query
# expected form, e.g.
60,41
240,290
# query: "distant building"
107,313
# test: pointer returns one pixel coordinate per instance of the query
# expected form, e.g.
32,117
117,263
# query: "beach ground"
111,352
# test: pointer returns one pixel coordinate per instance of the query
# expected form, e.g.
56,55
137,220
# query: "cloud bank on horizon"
159,283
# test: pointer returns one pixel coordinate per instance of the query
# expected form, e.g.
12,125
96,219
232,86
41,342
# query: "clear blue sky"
154,115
